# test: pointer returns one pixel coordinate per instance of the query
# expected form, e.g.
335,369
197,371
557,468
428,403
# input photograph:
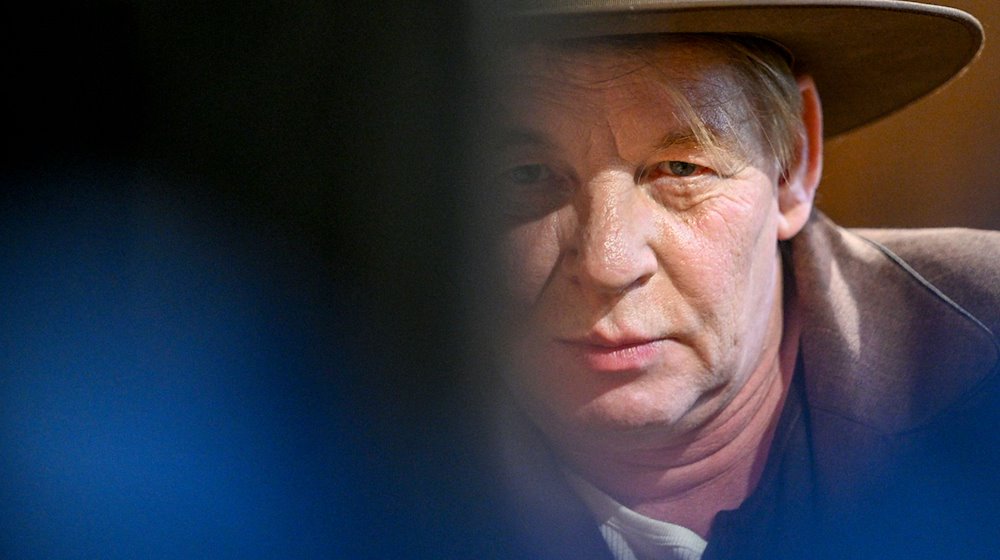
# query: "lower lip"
627,358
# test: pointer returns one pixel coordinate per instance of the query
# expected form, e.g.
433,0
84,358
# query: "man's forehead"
618,73
555,118
657,80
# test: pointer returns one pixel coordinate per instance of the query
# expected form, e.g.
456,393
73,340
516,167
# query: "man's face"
643,268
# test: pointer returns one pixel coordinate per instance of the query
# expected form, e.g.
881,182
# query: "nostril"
639,282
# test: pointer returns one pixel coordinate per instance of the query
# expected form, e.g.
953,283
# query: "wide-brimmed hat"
869,57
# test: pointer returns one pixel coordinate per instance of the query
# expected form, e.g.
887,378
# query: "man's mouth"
615,355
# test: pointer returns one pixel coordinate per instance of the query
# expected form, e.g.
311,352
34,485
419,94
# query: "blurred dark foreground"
228,282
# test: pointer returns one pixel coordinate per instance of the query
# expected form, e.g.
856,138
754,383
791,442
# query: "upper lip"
596,339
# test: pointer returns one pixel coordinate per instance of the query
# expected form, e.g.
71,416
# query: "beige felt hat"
868,57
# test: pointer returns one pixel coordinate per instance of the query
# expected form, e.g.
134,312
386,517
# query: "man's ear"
797,186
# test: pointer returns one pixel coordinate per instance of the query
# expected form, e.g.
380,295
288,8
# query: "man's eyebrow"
678,138
519,138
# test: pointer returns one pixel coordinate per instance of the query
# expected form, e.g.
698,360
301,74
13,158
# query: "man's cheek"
728,230
528,262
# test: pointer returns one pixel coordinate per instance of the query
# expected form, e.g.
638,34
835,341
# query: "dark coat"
889,442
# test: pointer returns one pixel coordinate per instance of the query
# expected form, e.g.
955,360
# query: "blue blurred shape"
166,390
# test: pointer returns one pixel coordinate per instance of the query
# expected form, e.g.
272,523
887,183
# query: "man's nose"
610,251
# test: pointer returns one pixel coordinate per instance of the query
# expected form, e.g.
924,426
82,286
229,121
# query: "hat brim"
869,58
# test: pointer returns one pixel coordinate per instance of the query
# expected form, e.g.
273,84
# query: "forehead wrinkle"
549,67
595,111
531,98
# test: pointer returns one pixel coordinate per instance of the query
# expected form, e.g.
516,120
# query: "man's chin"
620,430
667,413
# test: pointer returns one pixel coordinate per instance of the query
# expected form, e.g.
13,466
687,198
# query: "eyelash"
674,169
682,168
538,173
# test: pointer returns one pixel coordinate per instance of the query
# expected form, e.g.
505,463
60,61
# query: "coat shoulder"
898,325
964,264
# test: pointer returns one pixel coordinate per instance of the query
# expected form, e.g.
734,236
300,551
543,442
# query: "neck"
716,467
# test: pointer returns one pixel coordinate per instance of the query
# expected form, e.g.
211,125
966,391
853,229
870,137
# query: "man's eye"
529,174
679,168
528,192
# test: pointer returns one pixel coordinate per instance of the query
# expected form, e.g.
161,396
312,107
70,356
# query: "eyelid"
644,172
545,172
